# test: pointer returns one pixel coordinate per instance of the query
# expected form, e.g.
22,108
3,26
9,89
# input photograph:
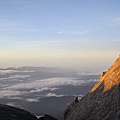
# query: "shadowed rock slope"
102,102
12,113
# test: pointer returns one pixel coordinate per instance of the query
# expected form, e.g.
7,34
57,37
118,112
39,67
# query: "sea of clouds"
22,83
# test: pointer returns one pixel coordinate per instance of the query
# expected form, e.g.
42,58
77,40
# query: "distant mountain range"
28,68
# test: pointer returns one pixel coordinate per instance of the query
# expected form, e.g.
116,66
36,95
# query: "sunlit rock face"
103,100
109,78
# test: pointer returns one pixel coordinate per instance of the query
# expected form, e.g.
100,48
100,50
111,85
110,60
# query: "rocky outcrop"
102,102
12,113
47,117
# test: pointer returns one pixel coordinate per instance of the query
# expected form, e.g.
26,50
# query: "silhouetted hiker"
77,99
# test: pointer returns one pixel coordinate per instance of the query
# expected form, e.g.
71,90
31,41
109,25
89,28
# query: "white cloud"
31,100
8,93
2,86
7,71
17,98
30,87
92,80
14,78
43,89
88,73
53,95
51,82
11,104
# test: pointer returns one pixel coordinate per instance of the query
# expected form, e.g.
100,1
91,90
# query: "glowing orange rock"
109,78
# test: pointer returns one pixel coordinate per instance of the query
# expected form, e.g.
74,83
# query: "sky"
59,33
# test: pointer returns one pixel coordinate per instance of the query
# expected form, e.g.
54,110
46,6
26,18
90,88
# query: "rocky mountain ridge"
13,113
102,102
110,78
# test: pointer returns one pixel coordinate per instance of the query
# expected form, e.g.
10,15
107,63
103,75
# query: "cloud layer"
22,83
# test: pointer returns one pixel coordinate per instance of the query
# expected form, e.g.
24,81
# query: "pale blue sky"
59,33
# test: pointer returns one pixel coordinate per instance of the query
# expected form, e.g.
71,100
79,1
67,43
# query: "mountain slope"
12,113
102,102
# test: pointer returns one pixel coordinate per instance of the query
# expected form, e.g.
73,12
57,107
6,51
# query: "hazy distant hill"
102,102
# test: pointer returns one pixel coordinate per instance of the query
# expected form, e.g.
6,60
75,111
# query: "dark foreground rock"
102,102
47,117
12,113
